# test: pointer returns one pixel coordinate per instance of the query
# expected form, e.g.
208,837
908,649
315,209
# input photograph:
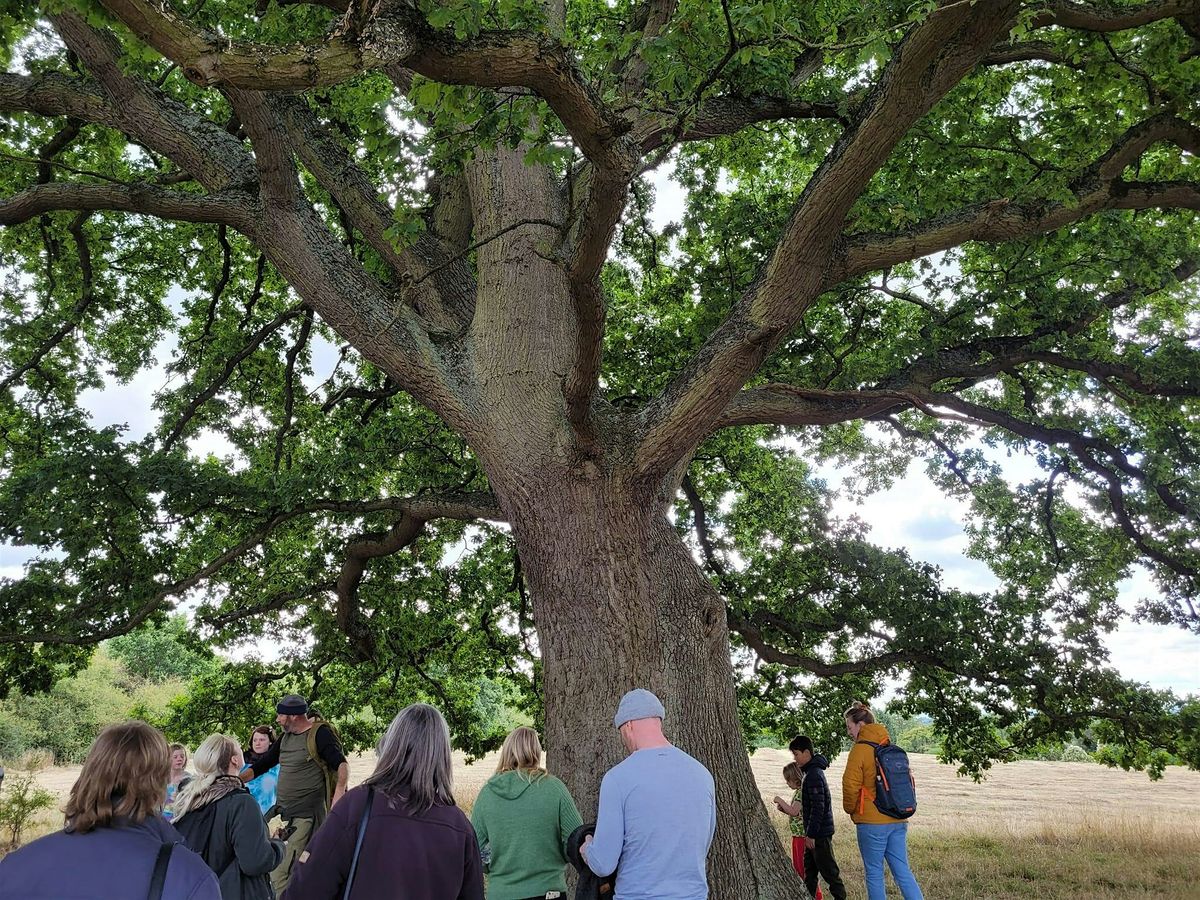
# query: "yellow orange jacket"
858,781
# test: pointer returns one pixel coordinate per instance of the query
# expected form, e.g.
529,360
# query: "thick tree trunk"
620,603
618,600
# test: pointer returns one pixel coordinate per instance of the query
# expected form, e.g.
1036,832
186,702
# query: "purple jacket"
105,864
434,854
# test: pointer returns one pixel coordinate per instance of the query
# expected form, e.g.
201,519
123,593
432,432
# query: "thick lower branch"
231,208
446,299
1098,188
753,636
1108,18
466,507
729,114
147,115
392,36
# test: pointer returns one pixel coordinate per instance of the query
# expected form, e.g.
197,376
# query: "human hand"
583,848
810,843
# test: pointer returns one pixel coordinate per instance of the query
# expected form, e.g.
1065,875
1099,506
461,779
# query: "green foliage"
116,520
21,799
920,738
15,737
158,653
1161,731
65,719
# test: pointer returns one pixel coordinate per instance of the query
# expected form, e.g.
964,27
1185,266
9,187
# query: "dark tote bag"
362,830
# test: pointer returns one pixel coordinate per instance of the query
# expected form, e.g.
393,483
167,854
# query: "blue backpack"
895,790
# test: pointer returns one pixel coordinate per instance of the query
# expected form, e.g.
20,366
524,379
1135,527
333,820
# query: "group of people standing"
881,838
655,822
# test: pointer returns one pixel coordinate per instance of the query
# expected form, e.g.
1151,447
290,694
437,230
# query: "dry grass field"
1052,831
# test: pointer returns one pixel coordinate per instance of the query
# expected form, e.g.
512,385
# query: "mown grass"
1050,831
1088,859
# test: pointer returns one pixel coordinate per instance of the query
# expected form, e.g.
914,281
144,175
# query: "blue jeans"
879,842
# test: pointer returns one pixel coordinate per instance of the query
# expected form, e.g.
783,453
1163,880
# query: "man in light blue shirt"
658,812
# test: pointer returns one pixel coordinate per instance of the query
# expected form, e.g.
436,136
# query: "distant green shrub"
920,739
14,737
1075,753
163,652
66,719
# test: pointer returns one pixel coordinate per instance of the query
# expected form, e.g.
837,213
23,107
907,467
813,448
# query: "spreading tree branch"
1098,188
231,365
393,34
934,56
1107,18
447,300
465,507
970,363
730,113
144,113
229,208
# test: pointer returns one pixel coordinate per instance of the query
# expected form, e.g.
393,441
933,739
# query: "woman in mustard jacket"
880,837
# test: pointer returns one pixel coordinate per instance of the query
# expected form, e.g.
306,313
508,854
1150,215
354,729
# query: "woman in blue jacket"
115,834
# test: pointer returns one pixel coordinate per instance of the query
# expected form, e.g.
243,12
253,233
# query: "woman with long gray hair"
400,827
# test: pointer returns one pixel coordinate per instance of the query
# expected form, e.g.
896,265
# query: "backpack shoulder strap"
870,744
330,774
310,739
158,880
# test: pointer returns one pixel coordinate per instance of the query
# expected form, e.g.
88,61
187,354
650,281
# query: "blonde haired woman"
116,845
177,779
524,816
221,821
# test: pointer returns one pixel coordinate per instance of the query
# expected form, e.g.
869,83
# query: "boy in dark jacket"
817,810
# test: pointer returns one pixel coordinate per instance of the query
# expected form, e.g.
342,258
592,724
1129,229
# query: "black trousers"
819,860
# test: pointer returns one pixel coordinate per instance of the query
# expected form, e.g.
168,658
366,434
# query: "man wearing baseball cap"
312,777
658,812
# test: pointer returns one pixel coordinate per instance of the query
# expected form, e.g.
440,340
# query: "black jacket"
815,802
231,836
591,886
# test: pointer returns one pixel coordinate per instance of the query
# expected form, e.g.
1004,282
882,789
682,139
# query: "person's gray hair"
414,764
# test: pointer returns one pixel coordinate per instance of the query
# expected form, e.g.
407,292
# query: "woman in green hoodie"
524,816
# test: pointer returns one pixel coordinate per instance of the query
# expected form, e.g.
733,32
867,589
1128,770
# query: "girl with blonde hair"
524,817
178,777
221,821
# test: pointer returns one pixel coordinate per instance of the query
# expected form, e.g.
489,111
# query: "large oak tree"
941,230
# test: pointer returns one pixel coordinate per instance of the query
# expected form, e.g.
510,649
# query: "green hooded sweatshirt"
526,821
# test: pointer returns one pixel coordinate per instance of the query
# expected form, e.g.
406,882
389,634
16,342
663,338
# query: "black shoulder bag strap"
362,830
159,879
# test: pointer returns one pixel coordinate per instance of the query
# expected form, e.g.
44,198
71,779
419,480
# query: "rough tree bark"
620,603
618,600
